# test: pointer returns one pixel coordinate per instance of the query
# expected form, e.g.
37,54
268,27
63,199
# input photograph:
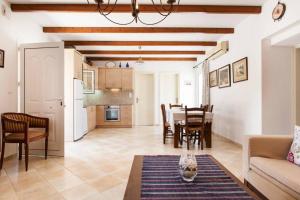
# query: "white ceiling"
175,20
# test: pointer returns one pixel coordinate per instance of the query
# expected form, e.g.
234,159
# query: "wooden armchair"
19,128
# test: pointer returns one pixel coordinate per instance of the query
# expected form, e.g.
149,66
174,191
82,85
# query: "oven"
112,113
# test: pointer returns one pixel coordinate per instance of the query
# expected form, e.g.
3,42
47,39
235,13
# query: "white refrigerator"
80,113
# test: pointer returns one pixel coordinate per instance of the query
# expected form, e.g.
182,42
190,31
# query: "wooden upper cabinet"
109,78
127,79
113,78
78,64
101,78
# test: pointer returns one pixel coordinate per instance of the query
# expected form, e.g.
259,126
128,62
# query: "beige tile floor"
98,166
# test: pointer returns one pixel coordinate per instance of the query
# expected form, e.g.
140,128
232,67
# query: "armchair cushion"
32,136
294,153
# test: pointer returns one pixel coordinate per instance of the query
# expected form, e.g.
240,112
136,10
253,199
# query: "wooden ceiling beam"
90,59
102,52
126,8
209,30
140,43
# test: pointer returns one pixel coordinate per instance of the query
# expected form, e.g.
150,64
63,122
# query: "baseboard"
225,138
114,126
253,189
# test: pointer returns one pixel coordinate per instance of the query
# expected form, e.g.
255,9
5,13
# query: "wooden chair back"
210,108
164,115
176,106
194,120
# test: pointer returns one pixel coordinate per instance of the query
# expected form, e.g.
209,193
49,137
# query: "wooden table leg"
208,135
176,135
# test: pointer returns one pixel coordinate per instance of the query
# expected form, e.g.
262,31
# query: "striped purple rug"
161,180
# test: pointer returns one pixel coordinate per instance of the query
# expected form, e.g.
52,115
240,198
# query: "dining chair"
210,108
22,128
195,124
167,132
176,106
205,107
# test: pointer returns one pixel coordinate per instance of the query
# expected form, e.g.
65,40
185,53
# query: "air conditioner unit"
219,50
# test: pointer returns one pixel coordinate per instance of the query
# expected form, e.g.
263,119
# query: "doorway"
144,99
42,91
169,88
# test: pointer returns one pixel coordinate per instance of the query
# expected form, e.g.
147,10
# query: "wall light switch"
130,95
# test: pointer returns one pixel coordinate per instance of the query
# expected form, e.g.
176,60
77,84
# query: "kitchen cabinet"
99,115
127,79
109,78
91,112
126,115
113,78
125,122
101,78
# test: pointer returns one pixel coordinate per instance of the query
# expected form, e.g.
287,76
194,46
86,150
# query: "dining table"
176,118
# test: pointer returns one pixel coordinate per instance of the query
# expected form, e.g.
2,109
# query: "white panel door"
43,84
144,105
169,89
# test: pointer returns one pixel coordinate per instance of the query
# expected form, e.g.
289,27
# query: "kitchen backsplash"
106,97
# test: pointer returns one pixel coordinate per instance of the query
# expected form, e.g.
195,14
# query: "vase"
188,167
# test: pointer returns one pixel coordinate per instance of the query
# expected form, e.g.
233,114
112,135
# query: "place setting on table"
171,177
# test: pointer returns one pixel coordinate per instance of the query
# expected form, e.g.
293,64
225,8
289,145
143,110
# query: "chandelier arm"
175,10
118,23
163,7
102,11
162,14
150,24
106,7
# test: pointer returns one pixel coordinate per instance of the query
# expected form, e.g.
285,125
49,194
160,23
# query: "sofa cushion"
294,153
281,171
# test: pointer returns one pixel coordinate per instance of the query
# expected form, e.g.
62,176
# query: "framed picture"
88,81
240,70
213,78
1,58
224,77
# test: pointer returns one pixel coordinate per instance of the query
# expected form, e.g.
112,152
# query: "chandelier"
164,10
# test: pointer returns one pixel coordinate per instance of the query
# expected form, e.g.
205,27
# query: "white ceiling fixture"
164,10
140,61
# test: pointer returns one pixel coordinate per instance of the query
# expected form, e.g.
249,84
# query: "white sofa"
266,169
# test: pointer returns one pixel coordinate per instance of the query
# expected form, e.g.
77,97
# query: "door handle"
61,102
137,100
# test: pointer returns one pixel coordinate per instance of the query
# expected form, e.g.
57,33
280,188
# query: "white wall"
277,94
238,109
14,30
298,87
186,74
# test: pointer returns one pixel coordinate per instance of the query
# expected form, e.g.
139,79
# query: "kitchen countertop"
125,104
